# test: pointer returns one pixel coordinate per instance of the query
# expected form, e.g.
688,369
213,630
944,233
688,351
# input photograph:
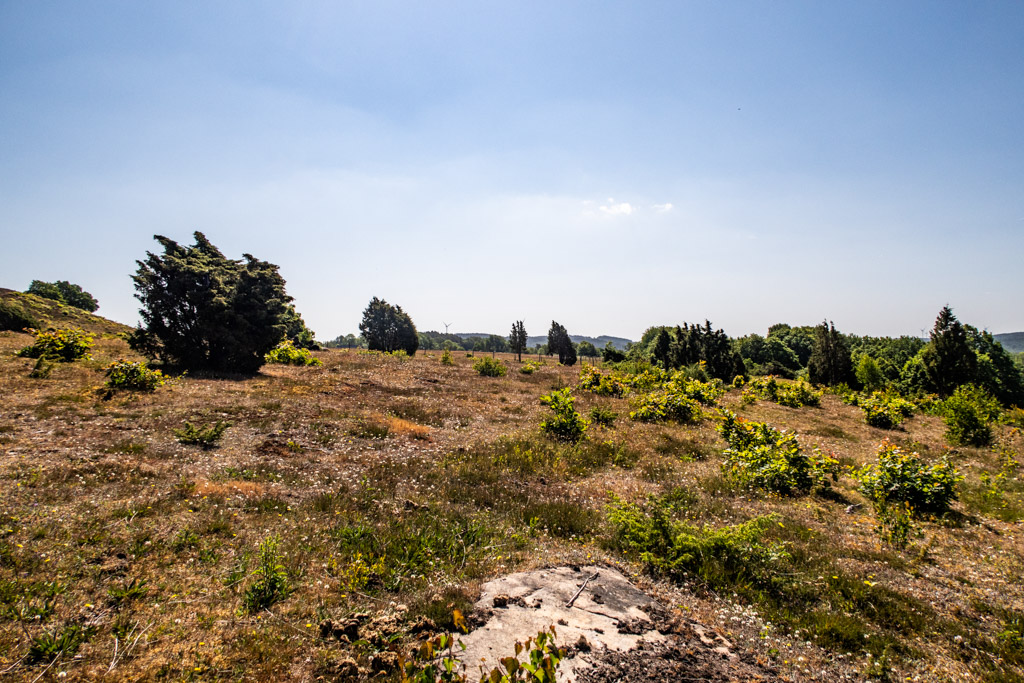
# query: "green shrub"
206,437
845,394
490,367
661,405
12,317
968,415
64,292
592,380
646,377
789,394
65,346
720,557
133,376
42,369
738,382
435,660
885,410
900,477
286,353
704,392
446,358
566,424
763,457
271,584
895,524
527,368
602,416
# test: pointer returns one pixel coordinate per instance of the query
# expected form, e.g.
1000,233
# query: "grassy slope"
395,482
52,313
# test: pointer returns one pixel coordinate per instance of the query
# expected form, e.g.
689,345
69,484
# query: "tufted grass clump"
133,376
64,346
205,437
490,367
47,646
271,579
286,353
602,416
762,457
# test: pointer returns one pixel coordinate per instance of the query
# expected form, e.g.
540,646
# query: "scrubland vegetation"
318,519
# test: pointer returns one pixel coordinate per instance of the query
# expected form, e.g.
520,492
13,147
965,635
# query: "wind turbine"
446,327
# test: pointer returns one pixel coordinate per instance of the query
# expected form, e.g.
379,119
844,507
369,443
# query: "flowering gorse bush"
594,381
286,353
133,376
65,346
763,457
900,477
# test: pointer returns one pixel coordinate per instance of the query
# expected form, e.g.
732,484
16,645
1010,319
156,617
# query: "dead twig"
14,666
297,630
573,598
43,672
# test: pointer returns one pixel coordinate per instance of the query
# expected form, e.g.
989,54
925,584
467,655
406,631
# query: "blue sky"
607,165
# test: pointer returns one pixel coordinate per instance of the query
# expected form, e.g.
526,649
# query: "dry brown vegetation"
397,485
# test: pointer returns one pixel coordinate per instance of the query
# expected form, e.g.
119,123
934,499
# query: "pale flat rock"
607,613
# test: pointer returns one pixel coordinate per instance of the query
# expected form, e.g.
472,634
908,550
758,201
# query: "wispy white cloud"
662,208
616,209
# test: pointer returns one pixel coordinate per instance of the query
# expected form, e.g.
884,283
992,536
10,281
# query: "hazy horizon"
608,166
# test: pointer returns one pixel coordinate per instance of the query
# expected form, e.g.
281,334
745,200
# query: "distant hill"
599,342
1011,341
50,313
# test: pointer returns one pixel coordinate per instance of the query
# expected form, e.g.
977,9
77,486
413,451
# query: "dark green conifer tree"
830,361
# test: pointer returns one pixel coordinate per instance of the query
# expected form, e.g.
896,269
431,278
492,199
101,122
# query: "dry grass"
393,482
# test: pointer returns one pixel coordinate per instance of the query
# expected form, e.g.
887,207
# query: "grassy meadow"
388,488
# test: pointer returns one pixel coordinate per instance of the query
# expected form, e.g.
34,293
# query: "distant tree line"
204,311
64,292
685,345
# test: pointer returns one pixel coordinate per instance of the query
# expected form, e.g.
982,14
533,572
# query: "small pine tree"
559,342
830,361
948,358
517,339
662,348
